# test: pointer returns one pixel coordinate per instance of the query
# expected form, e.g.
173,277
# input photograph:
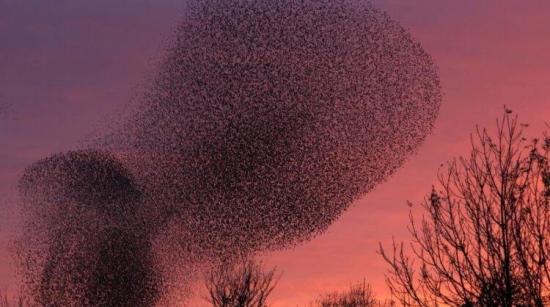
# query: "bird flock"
265,120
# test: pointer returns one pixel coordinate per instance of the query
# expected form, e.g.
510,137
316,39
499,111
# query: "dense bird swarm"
87,242
265,121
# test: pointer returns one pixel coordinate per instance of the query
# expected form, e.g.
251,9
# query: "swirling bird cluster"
265,121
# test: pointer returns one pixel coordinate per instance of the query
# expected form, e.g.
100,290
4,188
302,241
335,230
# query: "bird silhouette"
507,110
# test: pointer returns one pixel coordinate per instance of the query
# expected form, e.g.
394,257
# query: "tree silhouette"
484,239
244,284
358,295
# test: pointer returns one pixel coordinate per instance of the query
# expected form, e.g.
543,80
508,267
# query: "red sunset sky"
66,66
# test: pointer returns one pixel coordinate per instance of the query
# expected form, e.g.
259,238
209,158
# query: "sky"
67,66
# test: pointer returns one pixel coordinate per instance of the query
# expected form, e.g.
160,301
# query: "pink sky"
65,66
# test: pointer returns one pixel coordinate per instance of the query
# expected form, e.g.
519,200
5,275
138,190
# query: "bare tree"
244,284
358,295
484,239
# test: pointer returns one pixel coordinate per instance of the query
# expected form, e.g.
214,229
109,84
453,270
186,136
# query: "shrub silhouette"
244,284
358,295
